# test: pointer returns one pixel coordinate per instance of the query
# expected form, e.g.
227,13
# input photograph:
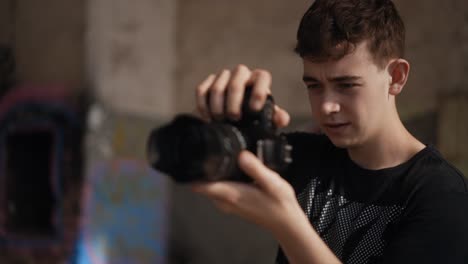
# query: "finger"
265,178
236,90
222,191
195,112
261,81
201,93
226,208
217,90
281,118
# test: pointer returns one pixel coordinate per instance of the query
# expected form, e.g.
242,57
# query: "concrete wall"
131,55
262,34
147,57
48,38
437,47
6,22
213,35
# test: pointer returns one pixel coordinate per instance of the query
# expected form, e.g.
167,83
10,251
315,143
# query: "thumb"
281,117
261,174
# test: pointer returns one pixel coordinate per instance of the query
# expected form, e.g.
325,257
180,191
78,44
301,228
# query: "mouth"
336,127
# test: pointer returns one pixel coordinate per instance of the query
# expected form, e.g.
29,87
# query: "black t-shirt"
416,212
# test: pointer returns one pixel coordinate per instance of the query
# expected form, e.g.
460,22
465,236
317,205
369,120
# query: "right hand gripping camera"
189,149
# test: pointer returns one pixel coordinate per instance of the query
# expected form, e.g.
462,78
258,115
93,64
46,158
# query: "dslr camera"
189,149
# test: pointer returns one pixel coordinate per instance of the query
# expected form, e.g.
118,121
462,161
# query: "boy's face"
349,97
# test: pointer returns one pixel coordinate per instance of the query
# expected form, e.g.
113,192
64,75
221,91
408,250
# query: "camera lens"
188,149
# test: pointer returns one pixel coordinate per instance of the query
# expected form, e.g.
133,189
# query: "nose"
330,105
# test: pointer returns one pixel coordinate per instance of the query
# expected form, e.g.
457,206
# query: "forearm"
302,244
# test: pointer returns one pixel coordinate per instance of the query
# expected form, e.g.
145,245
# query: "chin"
342,142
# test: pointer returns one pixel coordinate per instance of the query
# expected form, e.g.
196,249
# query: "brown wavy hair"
330,29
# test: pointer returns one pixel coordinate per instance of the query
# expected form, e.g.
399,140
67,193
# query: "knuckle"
200,90
235,85
263,73
204,85
258,95
276,186
241,68
287,190
217,88
233,199
231,109
233,113
220,84
224,72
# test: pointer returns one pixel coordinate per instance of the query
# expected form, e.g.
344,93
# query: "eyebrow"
333,79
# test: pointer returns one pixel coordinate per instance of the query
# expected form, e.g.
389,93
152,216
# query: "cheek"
358,107
354,109
368,111
314,104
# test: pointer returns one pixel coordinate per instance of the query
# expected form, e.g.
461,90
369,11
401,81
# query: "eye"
313,86
347,85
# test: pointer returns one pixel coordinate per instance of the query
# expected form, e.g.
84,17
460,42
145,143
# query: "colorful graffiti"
124,218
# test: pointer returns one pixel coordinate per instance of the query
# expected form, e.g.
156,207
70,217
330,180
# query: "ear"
398,70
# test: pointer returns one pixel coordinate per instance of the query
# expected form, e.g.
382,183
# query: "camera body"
189,149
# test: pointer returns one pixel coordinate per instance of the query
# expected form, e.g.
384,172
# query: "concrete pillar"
131,55
130,59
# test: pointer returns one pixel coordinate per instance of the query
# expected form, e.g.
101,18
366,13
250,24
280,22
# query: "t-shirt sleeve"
436,231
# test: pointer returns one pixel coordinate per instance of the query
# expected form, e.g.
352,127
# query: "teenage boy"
366,190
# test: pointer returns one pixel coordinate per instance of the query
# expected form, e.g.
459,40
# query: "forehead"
358,62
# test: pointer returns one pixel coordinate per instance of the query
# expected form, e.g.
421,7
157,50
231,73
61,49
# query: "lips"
336,127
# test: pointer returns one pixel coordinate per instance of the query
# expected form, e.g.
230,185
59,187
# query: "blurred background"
83,82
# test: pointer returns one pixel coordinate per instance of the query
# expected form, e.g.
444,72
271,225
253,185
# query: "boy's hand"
227,92
270,202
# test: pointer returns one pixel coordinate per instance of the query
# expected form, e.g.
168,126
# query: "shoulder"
439,190
435,232
434,224
437,175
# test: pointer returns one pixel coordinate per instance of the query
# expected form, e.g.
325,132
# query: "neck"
393,146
